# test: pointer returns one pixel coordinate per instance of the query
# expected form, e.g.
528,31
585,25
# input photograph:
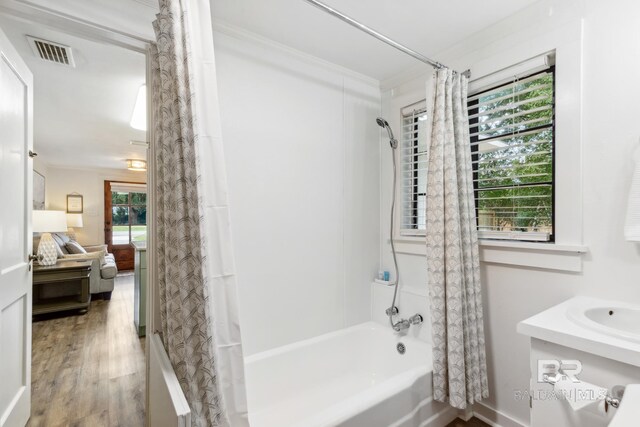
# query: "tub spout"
401,325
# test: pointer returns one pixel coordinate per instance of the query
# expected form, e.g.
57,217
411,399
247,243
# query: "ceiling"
82,114
426,26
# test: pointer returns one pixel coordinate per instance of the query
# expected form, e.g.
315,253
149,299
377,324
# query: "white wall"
89,183
43,169
608,135
302,151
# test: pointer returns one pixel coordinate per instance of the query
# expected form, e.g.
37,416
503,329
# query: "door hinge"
32,154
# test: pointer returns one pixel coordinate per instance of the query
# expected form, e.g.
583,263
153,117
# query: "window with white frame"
512,150
413,158
512,137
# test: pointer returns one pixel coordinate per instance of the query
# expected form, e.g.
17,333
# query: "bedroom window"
512,130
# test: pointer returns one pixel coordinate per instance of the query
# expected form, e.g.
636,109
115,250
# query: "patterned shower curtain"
459,361
198,305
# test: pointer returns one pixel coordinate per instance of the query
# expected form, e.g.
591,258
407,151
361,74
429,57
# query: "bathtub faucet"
404,324
401,325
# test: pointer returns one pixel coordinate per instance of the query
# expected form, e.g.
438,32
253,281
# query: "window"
129,216
413,157
512,137
512,149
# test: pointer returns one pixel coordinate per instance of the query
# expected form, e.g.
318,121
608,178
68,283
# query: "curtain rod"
379,36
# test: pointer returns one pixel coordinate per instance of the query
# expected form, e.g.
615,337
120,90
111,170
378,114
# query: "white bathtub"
353,378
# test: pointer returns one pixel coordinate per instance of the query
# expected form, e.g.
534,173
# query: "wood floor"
473,422
88,370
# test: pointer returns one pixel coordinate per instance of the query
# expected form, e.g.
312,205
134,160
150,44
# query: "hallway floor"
88,370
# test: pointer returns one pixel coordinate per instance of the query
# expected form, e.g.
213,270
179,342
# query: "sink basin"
617,319
606,328
622,319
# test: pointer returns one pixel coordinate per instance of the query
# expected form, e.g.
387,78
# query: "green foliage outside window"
513,155
120,215
118,198
129,217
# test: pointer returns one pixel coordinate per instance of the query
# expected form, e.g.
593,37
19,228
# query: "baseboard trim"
465,414
444,415
441,418
494,418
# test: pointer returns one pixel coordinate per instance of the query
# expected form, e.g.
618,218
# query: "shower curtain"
198,299
459,362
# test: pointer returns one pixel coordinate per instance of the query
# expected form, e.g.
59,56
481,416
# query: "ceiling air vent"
51,51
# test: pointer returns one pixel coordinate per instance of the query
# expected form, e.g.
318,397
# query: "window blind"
128,187
512,150
413,159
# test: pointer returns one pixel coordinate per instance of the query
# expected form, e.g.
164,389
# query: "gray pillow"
74,247
60,244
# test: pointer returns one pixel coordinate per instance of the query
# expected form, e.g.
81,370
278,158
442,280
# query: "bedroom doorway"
87,365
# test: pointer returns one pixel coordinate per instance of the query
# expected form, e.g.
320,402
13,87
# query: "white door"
16,140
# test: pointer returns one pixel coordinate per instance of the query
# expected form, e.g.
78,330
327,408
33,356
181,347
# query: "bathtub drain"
401,348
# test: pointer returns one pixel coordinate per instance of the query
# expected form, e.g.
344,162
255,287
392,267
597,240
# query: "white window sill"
547,256
534,246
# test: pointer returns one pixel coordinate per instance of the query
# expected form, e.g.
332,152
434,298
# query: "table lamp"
47,222
73,221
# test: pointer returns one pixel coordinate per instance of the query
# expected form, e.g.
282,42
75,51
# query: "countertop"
556,325
139,246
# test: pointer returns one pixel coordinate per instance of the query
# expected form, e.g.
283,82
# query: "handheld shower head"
385,125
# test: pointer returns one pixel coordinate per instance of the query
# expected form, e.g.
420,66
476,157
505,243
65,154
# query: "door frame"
31,12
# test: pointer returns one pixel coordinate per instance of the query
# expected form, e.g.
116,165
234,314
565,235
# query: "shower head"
385,125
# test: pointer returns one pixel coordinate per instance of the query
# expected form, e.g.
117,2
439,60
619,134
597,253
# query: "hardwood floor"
473,422
88,370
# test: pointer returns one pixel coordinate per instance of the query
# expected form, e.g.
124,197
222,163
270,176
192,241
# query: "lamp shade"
49,221
74,220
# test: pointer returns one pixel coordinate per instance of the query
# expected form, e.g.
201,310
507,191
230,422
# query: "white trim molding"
31,12
567,253
494,417
546,256
236,32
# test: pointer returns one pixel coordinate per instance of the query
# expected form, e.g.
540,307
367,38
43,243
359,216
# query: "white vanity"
597,342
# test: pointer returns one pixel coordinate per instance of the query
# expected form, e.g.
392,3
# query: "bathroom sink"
623,319
606,328
618,319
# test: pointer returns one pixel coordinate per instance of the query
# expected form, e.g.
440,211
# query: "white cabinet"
589,356
140,287
548,408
